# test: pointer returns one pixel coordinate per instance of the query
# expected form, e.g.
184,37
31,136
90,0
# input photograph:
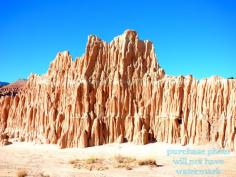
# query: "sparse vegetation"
21,173
118,161
91,163
124,162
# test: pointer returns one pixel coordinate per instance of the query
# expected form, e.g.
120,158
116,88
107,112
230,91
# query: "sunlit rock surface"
117,92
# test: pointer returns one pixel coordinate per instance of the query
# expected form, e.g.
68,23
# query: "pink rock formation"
117,92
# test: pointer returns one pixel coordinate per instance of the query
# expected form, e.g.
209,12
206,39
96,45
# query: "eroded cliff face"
117,92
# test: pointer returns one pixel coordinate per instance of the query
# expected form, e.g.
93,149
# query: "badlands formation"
117,92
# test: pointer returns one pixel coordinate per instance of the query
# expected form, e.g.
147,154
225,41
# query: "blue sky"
195,37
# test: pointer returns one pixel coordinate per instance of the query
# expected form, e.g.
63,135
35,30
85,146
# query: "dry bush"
21,173
91,163
73,161
124,162
92,160
43,175
118,161
128,168
123,165
150,162
122,159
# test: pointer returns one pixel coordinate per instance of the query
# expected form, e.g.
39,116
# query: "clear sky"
195,37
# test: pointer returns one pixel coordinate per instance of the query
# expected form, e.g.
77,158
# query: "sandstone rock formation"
117,92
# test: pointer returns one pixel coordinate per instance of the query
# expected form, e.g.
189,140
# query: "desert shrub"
147,162
21,173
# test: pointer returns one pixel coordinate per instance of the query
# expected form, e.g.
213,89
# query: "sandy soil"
49,160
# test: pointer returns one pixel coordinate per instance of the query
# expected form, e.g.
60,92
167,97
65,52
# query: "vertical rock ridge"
117,92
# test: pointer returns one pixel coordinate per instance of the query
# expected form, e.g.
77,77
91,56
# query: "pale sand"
50,160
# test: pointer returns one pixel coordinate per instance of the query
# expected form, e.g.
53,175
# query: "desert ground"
51,161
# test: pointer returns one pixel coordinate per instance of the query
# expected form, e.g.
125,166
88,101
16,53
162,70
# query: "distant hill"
15,85
3,83
12,88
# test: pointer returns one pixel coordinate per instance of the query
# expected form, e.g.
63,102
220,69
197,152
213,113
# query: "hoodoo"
117,92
